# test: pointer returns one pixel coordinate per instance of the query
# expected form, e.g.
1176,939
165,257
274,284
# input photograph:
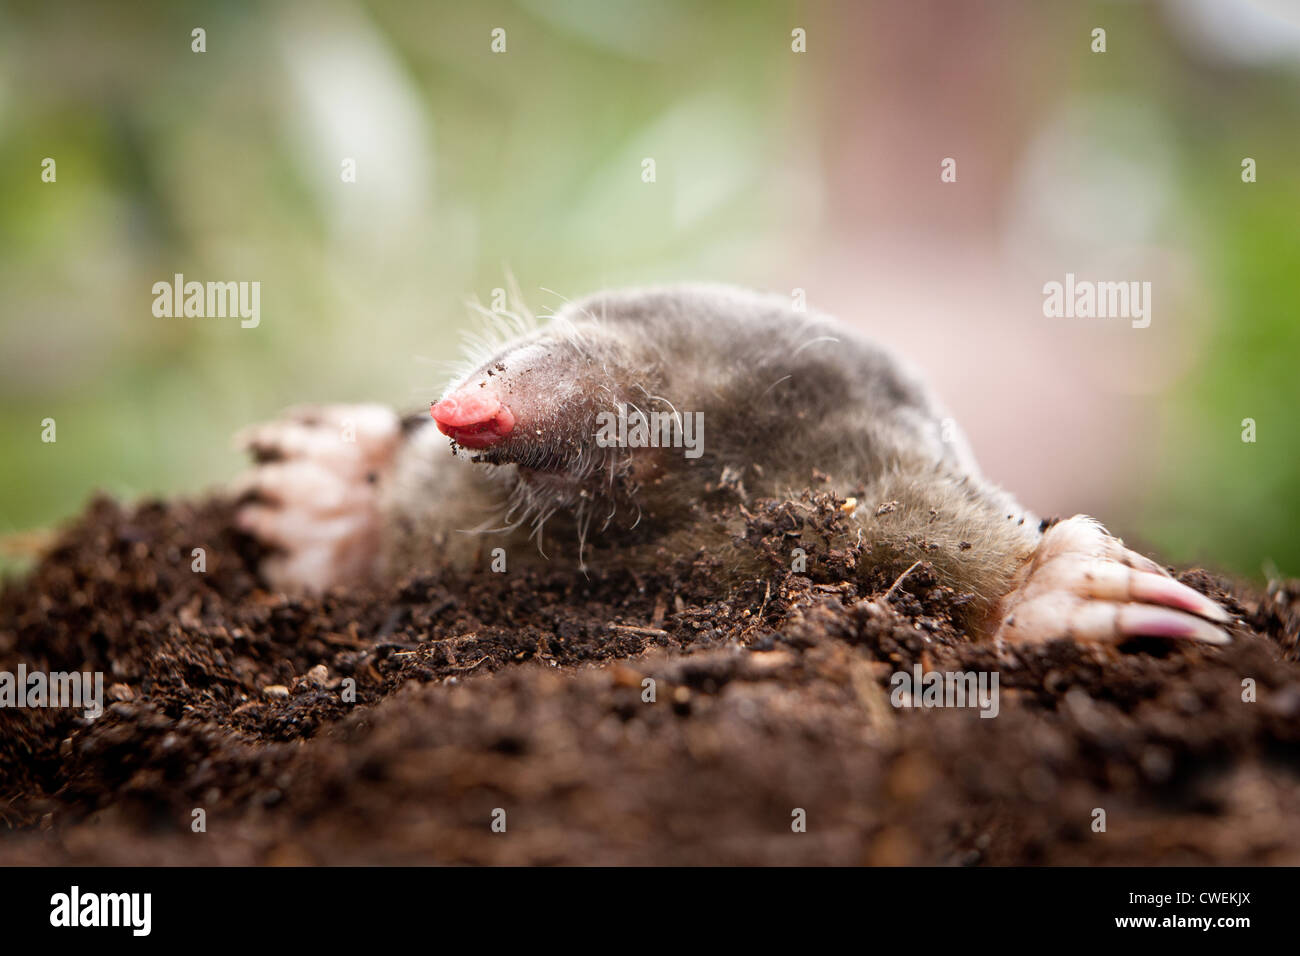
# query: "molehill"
525,693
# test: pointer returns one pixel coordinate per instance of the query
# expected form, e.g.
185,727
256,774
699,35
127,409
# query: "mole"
610,431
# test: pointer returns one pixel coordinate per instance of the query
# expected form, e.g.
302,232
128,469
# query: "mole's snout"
473,417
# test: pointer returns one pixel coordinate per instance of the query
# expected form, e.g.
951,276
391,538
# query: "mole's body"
614,427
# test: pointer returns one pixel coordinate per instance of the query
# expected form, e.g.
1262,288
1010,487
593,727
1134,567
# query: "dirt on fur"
398,724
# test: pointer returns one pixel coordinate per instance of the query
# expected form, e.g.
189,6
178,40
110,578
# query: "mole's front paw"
1083,584
313,494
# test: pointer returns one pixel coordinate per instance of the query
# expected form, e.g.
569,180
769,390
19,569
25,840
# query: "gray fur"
786,396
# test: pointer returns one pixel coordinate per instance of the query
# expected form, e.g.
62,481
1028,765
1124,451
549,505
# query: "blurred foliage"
1244,497
225,166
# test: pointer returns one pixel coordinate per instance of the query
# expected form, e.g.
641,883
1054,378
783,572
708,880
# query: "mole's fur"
779,400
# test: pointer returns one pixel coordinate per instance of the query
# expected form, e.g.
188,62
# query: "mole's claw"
1109,580
1084,584
1159,589
1061,615
1145,620
314,492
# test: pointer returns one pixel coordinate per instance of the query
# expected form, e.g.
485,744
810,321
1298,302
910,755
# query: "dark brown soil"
524,693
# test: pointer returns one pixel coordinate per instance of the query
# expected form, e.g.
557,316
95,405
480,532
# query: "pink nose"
474,417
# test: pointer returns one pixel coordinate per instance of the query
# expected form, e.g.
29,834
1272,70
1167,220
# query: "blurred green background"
782,170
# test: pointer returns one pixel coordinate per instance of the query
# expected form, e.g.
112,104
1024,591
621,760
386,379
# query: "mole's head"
633,408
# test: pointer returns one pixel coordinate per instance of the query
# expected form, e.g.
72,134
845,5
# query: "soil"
523,693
